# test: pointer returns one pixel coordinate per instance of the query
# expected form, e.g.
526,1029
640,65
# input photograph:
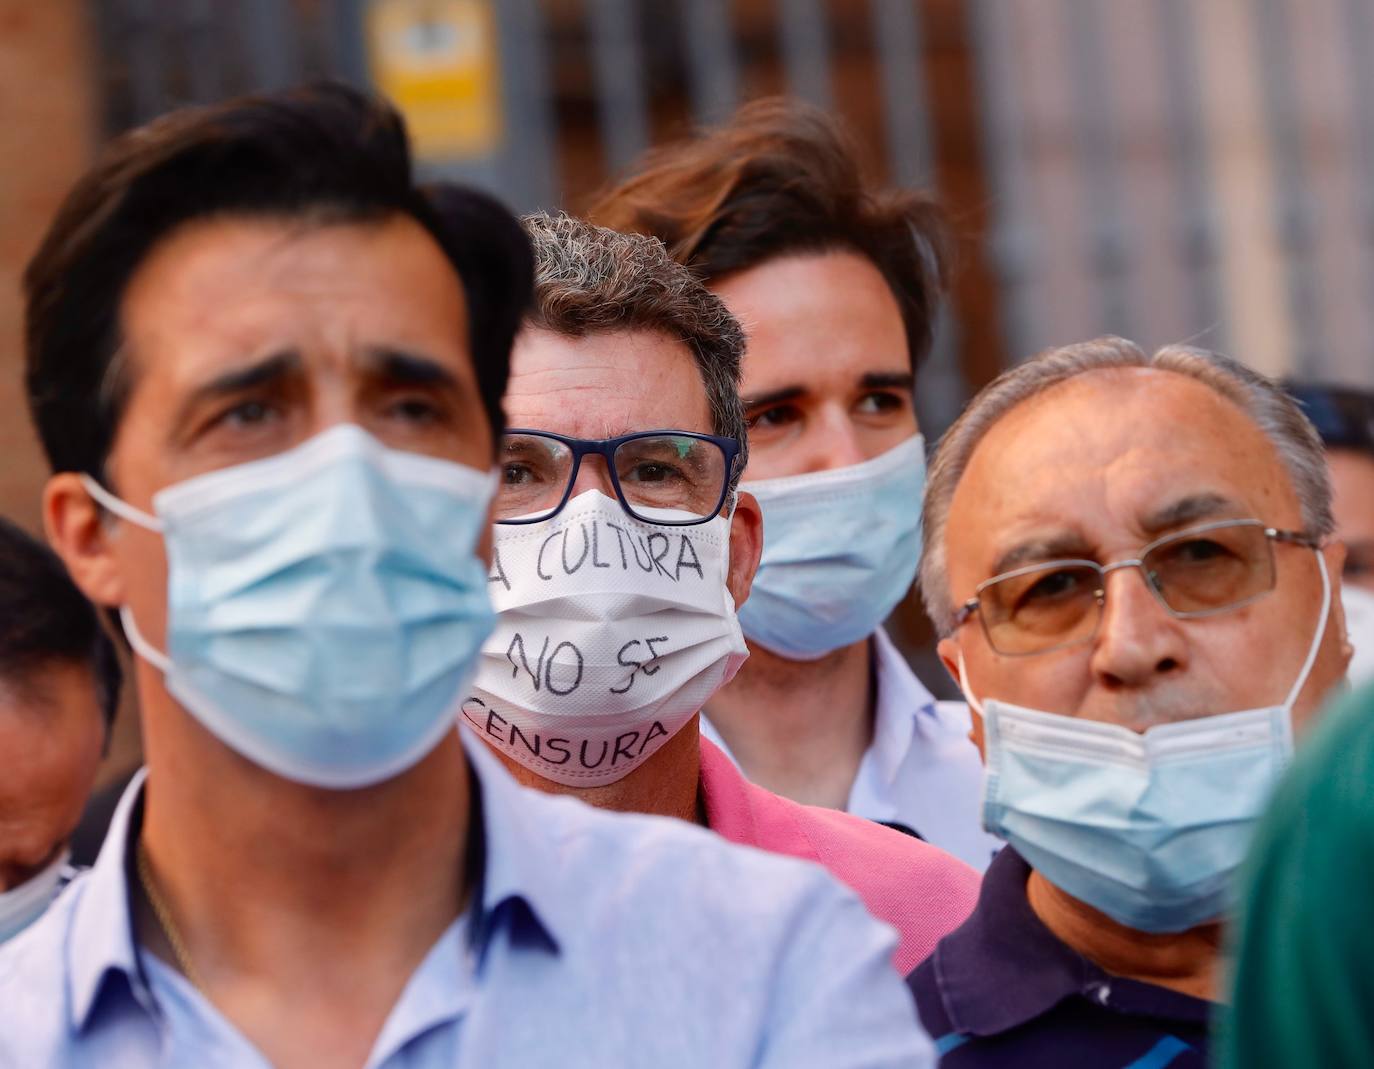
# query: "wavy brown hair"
779,178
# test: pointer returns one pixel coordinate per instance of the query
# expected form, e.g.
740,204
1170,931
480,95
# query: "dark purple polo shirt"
1002,990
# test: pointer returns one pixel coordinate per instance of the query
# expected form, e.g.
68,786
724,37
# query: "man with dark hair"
267,372
59,687
622,550
837,284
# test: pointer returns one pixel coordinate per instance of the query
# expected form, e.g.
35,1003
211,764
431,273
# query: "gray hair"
591,280
1276,415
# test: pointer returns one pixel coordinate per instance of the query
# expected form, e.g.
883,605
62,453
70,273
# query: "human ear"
81,534
746,547
948,649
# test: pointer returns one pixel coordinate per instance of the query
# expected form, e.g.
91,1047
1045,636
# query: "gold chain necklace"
164,918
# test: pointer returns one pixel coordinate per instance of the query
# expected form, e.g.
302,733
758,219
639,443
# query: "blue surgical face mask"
1148,828
325,607
840,549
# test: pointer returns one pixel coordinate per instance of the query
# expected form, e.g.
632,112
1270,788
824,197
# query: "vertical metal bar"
619,67
1359,23
204,49
897,41
1295,209
1014,242
1199,248
1099,161
527,171
269,29
347,43
713,77
899,45
806,50
146,74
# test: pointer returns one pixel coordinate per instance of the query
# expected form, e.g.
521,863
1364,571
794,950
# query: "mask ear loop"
138,517
969,696
1316,639
120,507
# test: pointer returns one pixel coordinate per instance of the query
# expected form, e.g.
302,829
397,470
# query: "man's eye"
416,410
650,472
516,474
1054,585
1199,551
875,403
777,416
247,414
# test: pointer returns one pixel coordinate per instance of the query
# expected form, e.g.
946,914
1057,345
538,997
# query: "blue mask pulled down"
840,550
1150,828
325,606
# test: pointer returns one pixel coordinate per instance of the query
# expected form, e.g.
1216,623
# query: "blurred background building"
1169,170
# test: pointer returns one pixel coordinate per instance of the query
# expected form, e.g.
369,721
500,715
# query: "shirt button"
1102,992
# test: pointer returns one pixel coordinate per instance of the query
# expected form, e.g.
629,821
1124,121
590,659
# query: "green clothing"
1304,974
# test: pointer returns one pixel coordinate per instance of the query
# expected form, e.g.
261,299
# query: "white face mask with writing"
612,634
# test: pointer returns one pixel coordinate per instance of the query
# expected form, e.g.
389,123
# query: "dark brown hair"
320,154
591,280
783,177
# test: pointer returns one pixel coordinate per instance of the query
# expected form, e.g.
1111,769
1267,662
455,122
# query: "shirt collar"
515,865
521,873
899,700
101,940
1003,967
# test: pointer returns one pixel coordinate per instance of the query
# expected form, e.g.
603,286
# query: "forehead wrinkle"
1117,447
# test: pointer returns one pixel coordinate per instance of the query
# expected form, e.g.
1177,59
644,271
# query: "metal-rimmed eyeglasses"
651,472
1213,568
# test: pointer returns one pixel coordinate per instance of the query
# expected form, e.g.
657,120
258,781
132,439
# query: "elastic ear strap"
1317,638
141,645
969,696
119,507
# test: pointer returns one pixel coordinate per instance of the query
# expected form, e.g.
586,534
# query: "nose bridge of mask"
904,456
1312,650
594,547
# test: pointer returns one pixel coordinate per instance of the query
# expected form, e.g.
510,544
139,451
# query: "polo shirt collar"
101,940
1003,967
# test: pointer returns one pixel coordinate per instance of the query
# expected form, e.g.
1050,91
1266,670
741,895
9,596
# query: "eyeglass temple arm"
1297,538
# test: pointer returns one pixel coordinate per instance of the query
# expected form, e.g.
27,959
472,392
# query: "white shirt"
920,770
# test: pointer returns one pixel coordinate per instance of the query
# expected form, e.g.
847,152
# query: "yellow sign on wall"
438,62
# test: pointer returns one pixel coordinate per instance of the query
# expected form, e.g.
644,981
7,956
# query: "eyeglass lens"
1193,573
685,476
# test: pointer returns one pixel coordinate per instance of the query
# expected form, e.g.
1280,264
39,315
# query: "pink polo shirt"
921,891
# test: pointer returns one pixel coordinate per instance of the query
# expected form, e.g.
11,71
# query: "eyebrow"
1186,510
773,397
273,368
1055,547
873,380
407,368
889,380
1190,509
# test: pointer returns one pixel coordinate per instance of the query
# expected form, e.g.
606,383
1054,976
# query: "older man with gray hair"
1128,561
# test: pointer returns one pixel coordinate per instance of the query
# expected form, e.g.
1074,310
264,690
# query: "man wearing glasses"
621,550
1128,561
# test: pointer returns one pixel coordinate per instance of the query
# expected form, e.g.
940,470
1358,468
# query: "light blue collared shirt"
920,770
593,940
